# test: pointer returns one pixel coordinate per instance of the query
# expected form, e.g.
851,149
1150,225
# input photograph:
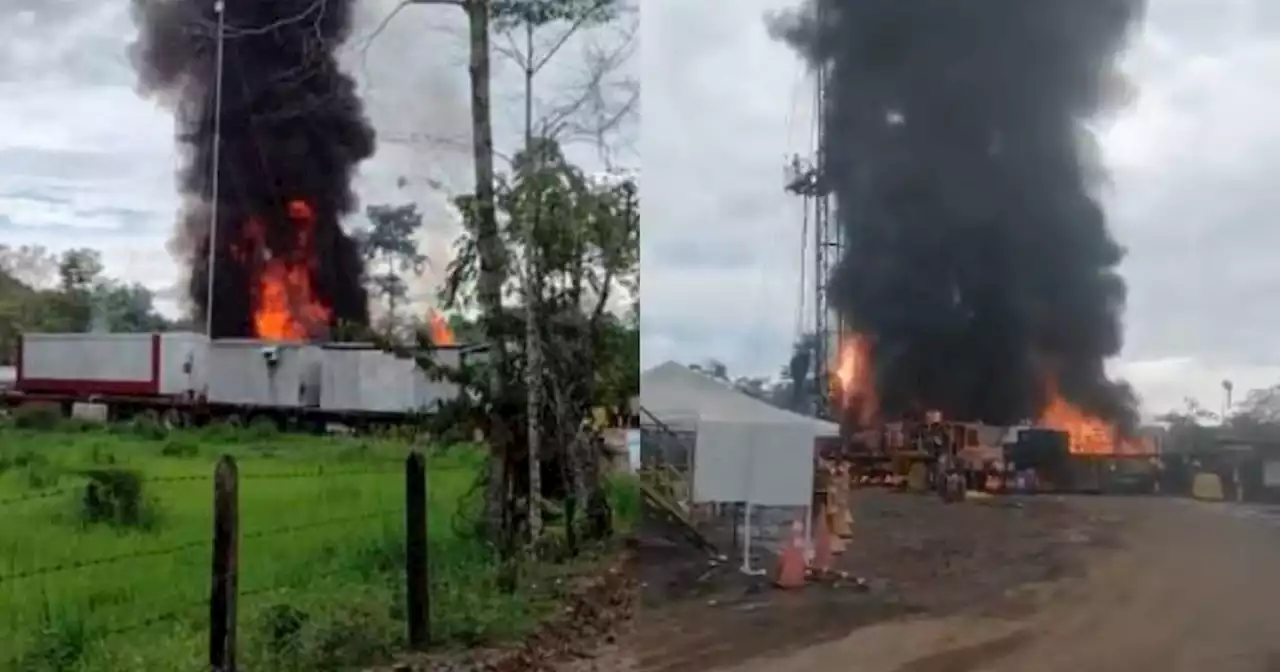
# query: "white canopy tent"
680,398
746,450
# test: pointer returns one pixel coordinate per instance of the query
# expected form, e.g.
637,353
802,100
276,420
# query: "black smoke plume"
977,255
293,128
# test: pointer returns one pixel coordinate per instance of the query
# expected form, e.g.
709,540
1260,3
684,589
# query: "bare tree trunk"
532,341
491,253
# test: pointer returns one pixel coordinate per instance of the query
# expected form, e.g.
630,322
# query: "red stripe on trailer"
155,363
84,386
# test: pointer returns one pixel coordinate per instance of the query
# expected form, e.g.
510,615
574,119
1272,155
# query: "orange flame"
853,377
441,332
1089,435
285,305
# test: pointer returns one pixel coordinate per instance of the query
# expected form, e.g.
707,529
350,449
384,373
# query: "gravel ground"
917,556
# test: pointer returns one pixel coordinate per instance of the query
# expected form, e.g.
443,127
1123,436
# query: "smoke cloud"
293,129
977,257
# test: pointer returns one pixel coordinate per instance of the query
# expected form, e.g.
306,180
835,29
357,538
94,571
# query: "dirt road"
1189,587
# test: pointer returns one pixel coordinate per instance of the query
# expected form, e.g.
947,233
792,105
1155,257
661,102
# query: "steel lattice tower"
808,180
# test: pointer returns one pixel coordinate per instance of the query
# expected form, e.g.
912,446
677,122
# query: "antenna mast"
219,8
807,179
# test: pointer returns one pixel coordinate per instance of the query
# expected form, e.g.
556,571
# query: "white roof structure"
681,398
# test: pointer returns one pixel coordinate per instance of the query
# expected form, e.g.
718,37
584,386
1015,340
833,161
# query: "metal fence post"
418,603
222,596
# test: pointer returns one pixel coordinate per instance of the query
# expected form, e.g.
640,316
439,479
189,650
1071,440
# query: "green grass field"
321,554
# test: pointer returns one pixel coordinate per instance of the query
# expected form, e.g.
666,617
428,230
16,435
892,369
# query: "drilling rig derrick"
806,178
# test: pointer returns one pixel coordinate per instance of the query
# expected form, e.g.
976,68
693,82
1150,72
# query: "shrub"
148,426
116,497
180,446
37,416
261,428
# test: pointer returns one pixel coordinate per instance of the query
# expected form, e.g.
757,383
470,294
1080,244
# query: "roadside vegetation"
105,540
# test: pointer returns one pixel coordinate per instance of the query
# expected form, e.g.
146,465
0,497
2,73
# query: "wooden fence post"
226,547
415,518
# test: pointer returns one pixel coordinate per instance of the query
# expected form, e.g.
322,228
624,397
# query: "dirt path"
1192,587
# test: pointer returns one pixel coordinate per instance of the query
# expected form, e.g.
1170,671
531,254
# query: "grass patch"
321,553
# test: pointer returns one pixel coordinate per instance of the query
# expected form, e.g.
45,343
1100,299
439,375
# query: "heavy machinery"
927,454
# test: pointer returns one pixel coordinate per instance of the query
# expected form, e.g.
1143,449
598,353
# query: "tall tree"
588,245
390,250
79,269
480,210
79,273
127,308
529,17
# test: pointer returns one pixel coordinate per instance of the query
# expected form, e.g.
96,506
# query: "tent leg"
808,533
746,544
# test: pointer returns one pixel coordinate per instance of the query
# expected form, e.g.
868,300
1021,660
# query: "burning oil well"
978,274
293,131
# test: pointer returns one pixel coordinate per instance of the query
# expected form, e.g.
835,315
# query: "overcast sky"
1193,165
85,161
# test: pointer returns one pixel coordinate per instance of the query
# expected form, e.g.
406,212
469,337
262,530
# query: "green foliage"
390,250
508,14
320,598
43,292
37,416
79,269
624,500
585,241
117,498
618,369
586,251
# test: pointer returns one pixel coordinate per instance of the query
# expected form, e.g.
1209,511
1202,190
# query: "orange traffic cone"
791,563
822,552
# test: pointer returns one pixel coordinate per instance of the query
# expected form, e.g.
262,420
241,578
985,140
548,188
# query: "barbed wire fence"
218,598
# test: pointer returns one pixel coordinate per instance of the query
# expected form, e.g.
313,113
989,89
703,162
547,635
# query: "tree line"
67,292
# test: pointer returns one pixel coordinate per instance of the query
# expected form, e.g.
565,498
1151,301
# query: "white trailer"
169,364
264,374
429,393
361,378
186,375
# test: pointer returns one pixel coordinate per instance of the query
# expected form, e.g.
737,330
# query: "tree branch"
582,19
566,121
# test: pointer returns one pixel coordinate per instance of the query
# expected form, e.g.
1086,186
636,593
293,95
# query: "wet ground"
916,556
1189,587
1010,585
1043,584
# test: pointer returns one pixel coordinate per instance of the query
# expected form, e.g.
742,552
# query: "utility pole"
219,9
